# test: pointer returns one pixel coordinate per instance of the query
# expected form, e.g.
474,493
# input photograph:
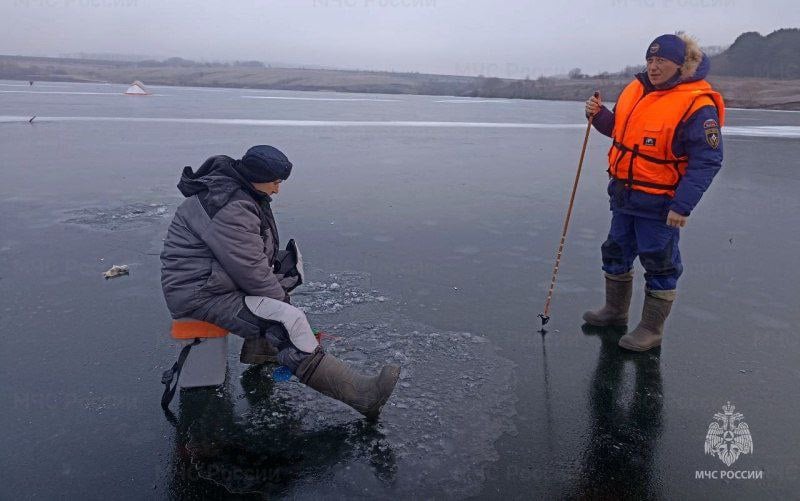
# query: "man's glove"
288,266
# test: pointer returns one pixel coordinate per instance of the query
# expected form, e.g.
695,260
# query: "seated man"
217,266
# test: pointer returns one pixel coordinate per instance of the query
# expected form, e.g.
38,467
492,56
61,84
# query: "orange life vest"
644,126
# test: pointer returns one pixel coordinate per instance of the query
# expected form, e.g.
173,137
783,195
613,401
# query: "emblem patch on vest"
649,141
711,128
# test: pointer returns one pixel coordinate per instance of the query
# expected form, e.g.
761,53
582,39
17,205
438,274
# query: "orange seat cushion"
190,329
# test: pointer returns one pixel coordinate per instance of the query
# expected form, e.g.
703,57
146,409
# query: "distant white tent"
137,89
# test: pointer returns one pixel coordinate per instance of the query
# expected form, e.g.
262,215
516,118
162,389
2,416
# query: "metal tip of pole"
545,319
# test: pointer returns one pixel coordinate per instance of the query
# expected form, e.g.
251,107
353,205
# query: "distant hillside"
776,55
244,74
754,72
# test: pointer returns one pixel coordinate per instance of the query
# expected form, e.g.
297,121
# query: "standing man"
665,152
217,266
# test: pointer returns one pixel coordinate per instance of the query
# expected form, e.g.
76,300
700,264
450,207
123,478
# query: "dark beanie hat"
669,47
264,164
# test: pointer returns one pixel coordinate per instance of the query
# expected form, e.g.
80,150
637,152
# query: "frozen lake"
429,225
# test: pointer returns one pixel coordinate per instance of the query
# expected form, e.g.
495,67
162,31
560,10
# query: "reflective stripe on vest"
644,128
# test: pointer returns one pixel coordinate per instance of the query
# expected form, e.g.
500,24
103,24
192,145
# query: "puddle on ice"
453,401
124,217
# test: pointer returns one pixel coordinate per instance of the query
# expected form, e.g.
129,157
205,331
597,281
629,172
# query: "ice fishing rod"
545,316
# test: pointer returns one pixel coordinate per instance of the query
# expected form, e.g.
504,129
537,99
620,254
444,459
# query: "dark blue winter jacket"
690,140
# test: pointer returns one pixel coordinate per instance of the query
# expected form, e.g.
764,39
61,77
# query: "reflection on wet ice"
274,438
625,426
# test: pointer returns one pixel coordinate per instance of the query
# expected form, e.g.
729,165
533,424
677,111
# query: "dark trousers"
655,243
230,312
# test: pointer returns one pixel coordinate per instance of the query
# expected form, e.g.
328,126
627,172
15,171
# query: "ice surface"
294,123
335,292
332,99
114,218
439,424
439,191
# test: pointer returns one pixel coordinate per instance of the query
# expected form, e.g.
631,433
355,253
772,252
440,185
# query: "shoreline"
739,92
789,109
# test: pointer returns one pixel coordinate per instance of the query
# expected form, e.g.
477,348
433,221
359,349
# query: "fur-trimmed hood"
694,59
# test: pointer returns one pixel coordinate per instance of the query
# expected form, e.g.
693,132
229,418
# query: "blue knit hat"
264,164
669,47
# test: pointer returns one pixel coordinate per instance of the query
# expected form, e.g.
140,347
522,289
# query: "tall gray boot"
648,334
618,299
332,377
258,350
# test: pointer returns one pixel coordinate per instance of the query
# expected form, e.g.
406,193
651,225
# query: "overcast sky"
506,38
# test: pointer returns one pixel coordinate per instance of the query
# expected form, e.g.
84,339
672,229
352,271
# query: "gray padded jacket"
222,242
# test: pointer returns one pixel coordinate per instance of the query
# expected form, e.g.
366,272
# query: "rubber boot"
618,299
257,350
648,333
332,377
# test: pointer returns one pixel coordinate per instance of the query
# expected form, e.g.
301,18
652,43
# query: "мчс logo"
728,436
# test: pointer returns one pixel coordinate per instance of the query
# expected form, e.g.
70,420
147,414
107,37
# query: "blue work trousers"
652,240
